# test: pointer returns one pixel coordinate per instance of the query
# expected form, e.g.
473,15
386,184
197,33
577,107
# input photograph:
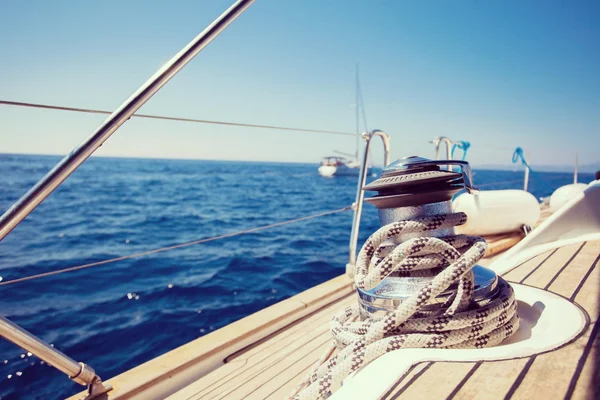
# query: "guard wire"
161,117
172,247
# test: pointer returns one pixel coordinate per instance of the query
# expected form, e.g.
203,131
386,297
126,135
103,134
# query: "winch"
418,283
409,188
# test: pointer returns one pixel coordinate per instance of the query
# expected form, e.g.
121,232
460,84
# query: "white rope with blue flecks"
460,323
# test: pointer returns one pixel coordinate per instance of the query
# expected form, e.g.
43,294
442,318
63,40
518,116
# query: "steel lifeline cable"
173,247
458,324
167,118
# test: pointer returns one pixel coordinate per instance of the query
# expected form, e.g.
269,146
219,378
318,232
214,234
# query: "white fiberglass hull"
341,170
327,170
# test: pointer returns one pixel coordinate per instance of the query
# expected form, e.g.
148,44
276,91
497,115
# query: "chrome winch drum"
414,187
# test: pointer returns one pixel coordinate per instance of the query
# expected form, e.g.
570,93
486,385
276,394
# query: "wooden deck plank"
489,379
285,390
242,376
586,385
264,350
413,374
546,377
262,356
285,378
266,367
585,382
268,373
543,275
272,367
553,367
316,319
522,271
566,283
445,375
500,243
587,294
302,358
541,376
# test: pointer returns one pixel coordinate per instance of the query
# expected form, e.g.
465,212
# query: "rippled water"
119,315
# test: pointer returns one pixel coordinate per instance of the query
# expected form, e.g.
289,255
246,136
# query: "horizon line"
490,167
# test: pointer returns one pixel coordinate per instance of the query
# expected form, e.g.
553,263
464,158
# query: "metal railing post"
80,372
360,194
437,141
26,204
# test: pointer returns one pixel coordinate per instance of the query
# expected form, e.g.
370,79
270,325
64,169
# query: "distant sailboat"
341,166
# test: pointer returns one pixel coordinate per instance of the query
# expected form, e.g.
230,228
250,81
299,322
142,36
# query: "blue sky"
496,73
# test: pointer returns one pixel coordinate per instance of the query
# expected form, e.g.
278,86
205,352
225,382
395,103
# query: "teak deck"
271,368
264,355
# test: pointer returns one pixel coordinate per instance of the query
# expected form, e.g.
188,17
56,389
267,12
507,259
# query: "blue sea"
119,315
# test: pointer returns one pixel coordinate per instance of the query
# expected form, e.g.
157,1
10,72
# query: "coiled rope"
460,323
172,247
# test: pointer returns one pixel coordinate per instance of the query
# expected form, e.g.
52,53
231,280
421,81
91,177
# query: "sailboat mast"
357,113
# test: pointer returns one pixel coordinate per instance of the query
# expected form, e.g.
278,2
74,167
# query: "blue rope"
518,155
463,145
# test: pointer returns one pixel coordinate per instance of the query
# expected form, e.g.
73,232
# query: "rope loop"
458,323
462,145
519,154
172,247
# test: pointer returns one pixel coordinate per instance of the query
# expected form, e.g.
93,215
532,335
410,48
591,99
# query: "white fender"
563,194
496,211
